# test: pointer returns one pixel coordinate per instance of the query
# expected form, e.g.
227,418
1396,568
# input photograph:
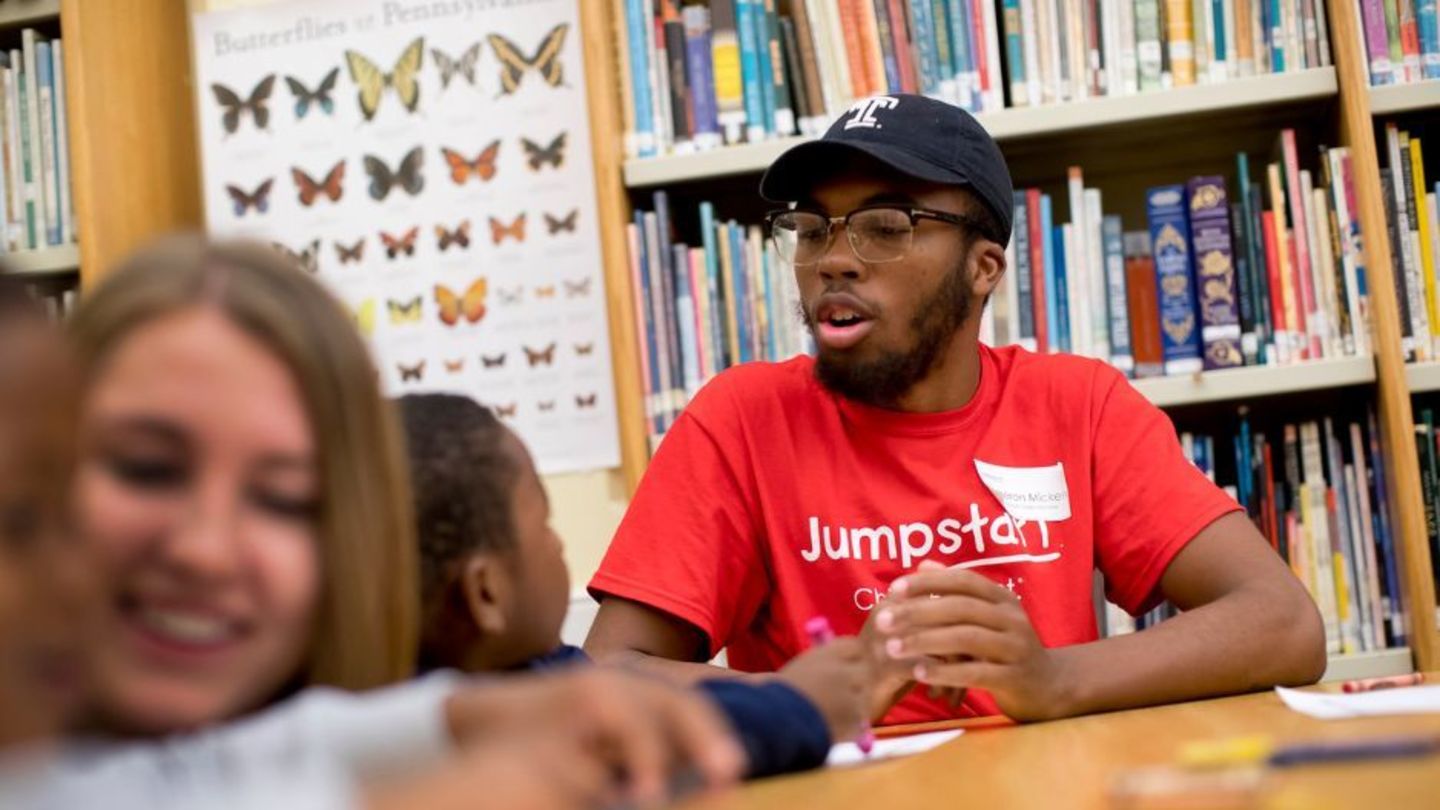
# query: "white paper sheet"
849,753
1328,706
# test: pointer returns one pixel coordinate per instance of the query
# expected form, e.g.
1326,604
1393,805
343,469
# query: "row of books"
1413,225
1402,40
729,299
36,208
1269,273
700,74
1317,493
1426,436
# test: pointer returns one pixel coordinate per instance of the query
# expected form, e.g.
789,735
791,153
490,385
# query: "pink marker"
820,632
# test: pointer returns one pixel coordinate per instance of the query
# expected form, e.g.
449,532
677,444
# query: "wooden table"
1071,763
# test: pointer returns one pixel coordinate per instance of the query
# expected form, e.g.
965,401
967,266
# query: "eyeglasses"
876,233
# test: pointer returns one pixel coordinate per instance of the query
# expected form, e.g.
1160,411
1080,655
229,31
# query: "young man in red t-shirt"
946,500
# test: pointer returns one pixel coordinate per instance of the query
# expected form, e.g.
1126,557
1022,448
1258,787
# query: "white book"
1417,264
15,236
1233,68
993,325
1046,51
1059,70
1258,39
62,139
1033,79
1077,270
1117,621
1111,83
1361,581
1317,532
1323,327
1201,24
49,151
1350,251
995,93
840,66
1379,603
1351,629
1095,265
1340,343
1129,58
42,193
824,55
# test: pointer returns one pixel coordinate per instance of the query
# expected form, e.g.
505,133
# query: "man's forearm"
1257,637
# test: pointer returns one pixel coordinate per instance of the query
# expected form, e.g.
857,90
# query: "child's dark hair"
463,478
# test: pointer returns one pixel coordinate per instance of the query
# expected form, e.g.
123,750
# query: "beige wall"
585,508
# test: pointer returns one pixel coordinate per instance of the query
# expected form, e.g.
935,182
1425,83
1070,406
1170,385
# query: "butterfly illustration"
540,357
403,312
308,257
565,223
577,289
450,66
319,97
584,349
372,81
512,295
482,167
545,405
311,190
455,366
498,361
364,317
414,373
469,306
259,199
506,411
547,291
515,230
587,401
406,175
405,243
445,237
236,106
353,253
514,63
537,155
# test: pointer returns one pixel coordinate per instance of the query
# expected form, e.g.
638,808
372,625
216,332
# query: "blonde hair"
366,622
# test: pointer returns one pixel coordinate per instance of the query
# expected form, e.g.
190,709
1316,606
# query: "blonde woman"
241,484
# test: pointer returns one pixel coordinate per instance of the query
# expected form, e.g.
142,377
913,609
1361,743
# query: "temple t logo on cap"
863,111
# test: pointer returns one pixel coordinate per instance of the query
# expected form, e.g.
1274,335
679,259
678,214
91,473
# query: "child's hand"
642,727
836,677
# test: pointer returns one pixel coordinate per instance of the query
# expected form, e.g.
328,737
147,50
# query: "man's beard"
883,380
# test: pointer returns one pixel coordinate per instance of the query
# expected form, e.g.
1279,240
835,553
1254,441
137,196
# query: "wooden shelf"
1026,122
1256,381
1423,377
1379,664
47,261
1398,98
15,13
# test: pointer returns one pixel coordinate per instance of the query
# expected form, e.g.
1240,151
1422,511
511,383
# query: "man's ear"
486,582
986,267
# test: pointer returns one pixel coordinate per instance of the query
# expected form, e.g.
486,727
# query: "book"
1215,285
1143,305
1122,355
1170,239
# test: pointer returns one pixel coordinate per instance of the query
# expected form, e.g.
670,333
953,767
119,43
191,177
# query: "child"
495,588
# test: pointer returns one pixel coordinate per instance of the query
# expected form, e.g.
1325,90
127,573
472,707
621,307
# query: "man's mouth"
841,321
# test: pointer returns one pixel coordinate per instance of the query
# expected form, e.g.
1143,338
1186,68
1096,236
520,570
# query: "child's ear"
486,583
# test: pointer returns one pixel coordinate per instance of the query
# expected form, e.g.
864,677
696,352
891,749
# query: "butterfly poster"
433,171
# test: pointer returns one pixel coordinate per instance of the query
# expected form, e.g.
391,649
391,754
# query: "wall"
585,508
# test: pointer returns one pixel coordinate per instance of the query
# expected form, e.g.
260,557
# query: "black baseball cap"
917,136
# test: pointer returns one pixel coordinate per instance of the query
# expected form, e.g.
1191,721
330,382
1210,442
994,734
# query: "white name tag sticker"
1028,493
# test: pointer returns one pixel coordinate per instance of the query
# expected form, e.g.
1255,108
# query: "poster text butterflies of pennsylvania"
315,29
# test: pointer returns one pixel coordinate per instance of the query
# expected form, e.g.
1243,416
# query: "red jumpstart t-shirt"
772,500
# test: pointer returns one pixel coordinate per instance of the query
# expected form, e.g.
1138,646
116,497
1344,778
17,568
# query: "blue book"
1244,469
1047,248
746,26
712,277
1122,356
1015,49
1213,258
964,50
1275,35
652,410
743,312
1429,38
1025,302
887,54
685,317
1021,231
640,78
699,64
1380,517
772,315
760,18
670,327
1056,258
923,38
1201,453
1218,50
1174,279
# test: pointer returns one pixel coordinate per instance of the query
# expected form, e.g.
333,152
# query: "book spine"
1179,42
765,76
1052,264
1029,26
38,160
838,64
1170,239
30,166
1409,39
1129,83
659,75
672,350
685,319
698,50
1023,266
1148,43
1200,26
713,299
849,14
730,101
1216,289
1347,578
1379,609
957,14
1405,226
809,68
1321,322
1397,265
1420,227
1077,271
779,82
1244,18
676,56
49,157
1244,284
1122,352
1143,304
1015,52
745,13
799,98
1261,292
1399,623
945,51
1392,39
1226,39
1330,260
655,271
640,300
886,44
1355,249
1429,24
904,53
1094,259
872,62
1025,282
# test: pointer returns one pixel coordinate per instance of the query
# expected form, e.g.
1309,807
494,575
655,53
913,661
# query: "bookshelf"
1423,377
1256,381
43,262
1399,98
19,13
1196,102
1380,664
